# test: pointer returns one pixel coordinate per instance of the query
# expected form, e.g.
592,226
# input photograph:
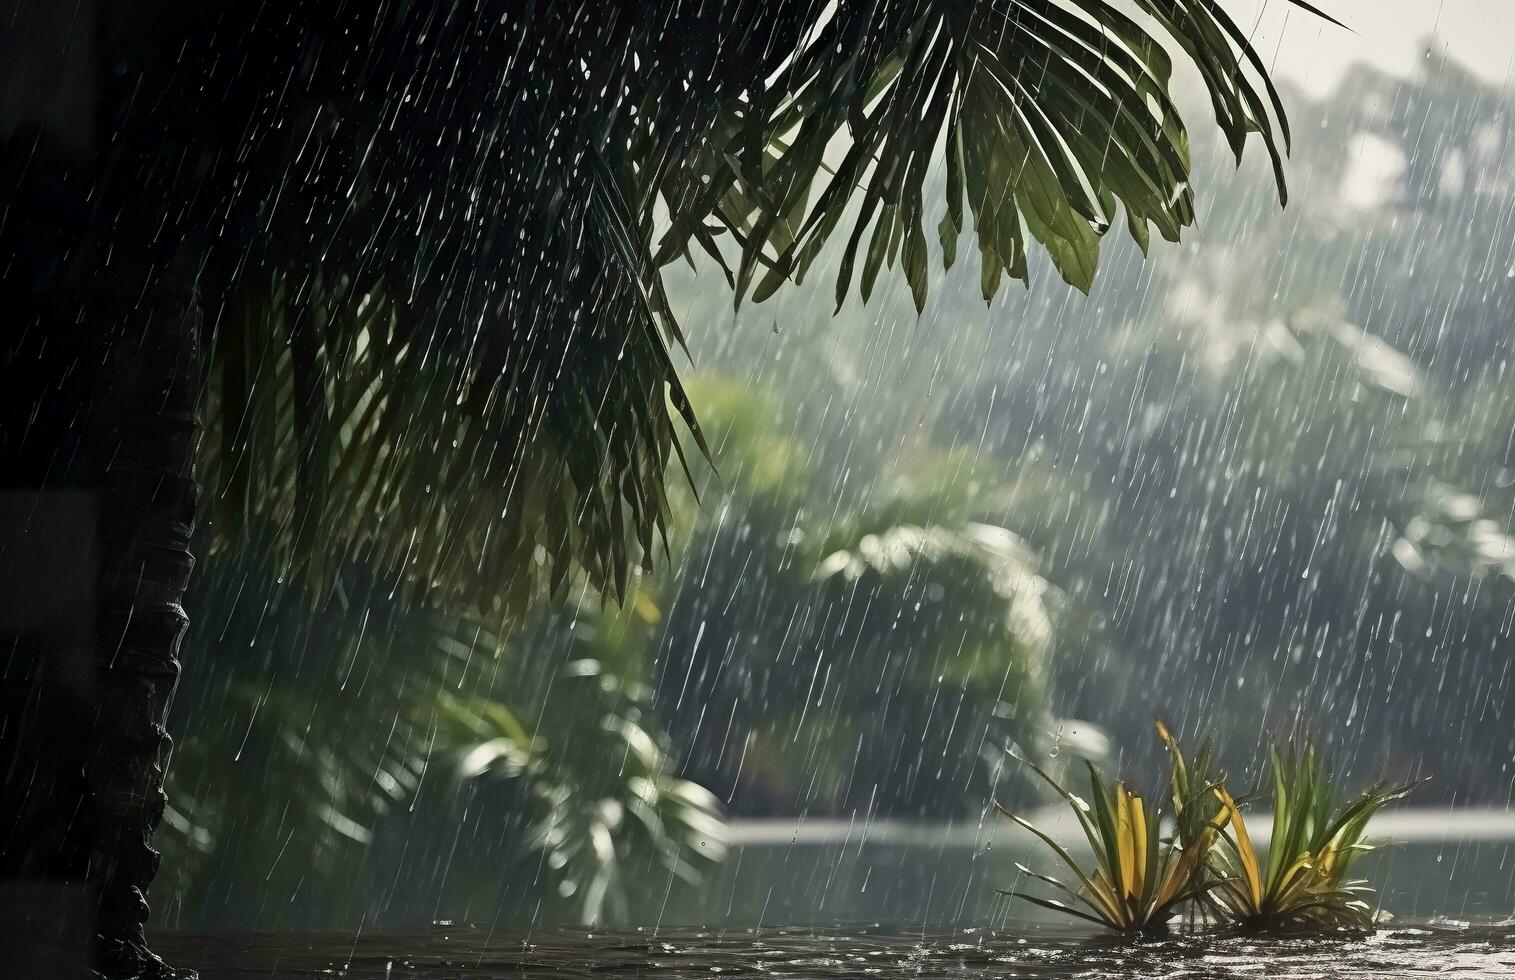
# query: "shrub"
1138,880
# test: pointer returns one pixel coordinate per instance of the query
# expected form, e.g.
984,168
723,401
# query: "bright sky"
1392,34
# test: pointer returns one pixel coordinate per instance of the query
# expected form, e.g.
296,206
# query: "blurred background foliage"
1265,485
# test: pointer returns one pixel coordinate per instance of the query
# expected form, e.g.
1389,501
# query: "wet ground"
561,954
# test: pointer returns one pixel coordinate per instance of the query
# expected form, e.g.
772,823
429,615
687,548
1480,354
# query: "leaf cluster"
1138,883
1047,116
1138,880
1305,882
605,807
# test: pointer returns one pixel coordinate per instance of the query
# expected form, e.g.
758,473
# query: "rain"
999,488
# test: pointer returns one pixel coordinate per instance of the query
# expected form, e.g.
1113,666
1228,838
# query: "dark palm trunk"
101,416
98,387
144,448
86,768
83,710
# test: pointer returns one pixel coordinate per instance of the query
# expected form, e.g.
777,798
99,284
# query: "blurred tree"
849,644
334,760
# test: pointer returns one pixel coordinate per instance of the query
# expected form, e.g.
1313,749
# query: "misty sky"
1389,33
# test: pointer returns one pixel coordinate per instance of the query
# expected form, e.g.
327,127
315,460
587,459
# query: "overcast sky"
1390,33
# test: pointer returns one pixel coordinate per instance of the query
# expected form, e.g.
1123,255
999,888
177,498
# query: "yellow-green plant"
1138,880
1305,883
1191,788
1196,808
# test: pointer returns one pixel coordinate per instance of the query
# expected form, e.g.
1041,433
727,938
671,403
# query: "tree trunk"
82,744
145,448
99,383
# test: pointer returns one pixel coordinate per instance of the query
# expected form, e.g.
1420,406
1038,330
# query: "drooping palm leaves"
1305,881
1046,115
481,503
442,340
1138,880
444,348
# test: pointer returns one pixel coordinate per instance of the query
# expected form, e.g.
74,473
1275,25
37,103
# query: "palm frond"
1046,116
445,348
481,474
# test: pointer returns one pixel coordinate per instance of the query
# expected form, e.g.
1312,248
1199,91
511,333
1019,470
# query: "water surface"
473,953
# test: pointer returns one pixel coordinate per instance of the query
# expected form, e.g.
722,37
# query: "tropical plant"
605,807
1305,882
292,763
333,759
1138,881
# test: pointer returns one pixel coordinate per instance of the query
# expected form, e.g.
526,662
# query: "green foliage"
306,732
465,377
325,734
1137,881
1000,631
605,808
1305,882
1303,885
844,635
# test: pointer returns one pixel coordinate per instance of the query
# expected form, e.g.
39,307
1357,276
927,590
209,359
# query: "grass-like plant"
1137,880
1191,788
1305,884
1197,809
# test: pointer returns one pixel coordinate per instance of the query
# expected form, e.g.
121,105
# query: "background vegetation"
1264,486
